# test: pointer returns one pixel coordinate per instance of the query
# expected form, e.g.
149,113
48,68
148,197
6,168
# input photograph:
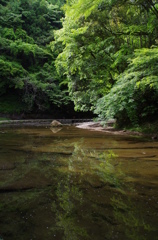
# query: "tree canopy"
100,54
28,78
109,57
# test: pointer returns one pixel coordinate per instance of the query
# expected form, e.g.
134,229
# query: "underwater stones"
55,123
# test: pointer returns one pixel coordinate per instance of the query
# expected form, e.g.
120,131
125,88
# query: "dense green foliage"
102,52
134,97
109,57
28,78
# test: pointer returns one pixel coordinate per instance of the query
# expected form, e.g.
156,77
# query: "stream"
75,184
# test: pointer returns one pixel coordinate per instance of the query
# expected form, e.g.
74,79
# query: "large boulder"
55,123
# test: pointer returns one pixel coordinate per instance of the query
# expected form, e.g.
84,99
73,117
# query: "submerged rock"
55,123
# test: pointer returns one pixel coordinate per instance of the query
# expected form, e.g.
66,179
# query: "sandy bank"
107,129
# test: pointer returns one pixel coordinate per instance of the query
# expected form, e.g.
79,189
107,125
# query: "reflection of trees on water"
124,210
107,170
125,219
69,200
126,213
86,189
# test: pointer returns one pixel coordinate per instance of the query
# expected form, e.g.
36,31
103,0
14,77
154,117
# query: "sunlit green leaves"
135,94
100,40
87,53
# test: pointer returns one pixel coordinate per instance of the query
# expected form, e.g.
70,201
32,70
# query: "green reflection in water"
129,216
107,169
72,188
69,200
123,211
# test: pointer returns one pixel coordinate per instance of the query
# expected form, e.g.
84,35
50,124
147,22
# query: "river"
75,184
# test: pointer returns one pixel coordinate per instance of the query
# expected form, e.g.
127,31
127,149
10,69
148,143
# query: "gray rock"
55,123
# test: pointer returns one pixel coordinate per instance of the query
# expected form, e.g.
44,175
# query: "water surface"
74,184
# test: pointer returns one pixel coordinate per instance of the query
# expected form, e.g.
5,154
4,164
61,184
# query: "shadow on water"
74,184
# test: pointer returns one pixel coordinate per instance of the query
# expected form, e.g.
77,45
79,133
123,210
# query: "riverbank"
149,130
96,126
40,122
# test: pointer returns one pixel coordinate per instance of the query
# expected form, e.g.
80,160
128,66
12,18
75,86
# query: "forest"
96,57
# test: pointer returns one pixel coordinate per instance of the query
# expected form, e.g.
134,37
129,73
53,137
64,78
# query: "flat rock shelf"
41,122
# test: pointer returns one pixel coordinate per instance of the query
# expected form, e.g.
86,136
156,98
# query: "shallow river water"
75,184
